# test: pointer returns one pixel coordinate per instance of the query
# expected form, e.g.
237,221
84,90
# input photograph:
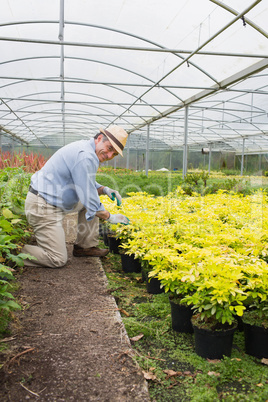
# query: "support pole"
128,151
61,39
147,151
242,157
185,145
209,158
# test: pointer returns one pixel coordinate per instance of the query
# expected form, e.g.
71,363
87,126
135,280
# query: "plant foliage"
211,249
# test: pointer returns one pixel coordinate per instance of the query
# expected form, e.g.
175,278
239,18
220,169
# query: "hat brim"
115,146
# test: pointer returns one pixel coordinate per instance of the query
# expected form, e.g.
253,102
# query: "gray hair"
103,139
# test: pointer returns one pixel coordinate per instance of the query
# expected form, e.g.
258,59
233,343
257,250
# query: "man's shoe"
89,252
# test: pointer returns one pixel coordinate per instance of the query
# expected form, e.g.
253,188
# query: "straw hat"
117,137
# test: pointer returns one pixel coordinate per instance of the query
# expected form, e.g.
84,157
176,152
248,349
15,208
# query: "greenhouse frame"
180,76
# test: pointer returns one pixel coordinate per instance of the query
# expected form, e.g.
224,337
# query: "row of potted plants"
209,253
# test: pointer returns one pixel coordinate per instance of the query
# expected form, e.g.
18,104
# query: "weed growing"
168,359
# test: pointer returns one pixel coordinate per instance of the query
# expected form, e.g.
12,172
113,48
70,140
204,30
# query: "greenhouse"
134,200
178,80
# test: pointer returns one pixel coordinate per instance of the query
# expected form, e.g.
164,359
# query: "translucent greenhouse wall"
221,161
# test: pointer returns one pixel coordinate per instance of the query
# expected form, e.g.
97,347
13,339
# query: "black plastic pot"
213,344
101,229
113,243
240,326
130,264
181,317
256,340
144,275
103,232
153,286
105,239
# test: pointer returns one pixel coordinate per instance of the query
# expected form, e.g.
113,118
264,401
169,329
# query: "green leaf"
213,310
25,256
14,221
207,306
9,305
240,310
5,225
7,213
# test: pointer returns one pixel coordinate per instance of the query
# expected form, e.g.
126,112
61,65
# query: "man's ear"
99,139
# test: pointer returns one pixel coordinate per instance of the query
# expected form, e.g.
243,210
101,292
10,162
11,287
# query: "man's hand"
113,194
118,218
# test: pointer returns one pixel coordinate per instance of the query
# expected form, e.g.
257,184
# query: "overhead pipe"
156,84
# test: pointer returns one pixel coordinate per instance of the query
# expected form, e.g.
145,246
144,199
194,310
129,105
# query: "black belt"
35,192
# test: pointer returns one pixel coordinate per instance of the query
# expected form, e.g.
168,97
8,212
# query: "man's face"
104,149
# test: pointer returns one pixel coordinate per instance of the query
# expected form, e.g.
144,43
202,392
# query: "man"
66,184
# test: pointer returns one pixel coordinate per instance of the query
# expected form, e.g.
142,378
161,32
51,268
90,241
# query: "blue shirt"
69,176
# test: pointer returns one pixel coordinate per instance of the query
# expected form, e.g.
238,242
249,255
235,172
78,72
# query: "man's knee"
57,260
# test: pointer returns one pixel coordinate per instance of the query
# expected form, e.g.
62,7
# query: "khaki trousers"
46,221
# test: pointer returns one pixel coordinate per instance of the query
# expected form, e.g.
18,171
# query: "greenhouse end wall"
220,161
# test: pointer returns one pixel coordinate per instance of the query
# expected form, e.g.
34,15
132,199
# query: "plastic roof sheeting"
69,67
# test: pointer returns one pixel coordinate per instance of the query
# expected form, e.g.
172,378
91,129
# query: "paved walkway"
71,344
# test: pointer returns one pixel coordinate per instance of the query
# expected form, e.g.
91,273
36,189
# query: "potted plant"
255,323
181,314
130,263
173,280
217,300
255,318
130,259
112,239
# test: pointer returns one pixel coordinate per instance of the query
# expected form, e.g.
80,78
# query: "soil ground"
69,342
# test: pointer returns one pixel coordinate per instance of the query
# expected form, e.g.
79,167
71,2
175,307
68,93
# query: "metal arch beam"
14,136
47,102
89,104
228,111
106,102
175,52
80,81
261,65
18,118
95,61
239,137
124,92
241,119
58,114
106,28
199,48
247,20
126,84
111,85
159,47
222,139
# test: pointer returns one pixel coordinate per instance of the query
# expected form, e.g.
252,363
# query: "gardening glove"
113,194
118,218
